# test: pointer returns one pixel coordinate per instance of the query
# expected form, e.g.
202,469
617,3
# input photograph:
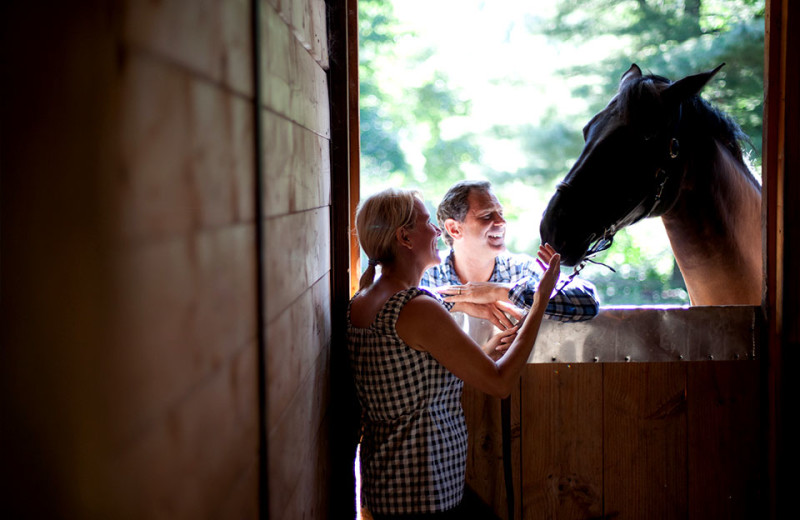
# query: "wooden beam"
782,242
344,409
355,139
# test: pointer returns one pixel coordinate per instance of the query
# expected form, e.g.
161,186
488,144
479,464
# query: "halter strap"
662,174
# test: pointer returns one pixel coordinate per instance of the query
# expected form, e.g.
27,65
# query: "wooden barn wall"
184,261
131,325
297,287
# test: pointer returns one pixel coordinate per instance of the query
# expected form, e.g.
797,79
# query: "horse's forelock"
709,120
634,93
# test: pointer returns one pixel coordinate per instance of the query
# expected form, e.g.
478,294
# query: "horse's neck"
715,232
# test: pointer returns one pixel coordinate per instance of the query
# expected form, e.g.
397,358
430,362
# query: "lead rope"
505,420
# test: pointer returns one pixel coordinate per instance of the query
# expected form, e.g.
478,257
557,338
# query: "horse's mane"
706,119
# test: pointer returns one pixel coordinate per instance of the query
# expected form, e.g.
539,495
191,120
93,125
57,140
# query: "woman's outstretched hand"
550,261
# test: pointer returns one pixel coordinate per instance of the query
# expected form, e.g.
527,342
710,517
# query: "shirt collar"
450,263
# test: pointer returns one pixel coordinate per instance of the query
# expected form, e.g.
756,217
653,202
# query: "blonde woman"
410,360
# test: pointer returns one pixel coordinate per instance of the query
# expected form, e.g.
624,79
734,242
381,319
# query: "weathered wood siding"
485,470
184,261
296,200
562,438
627,440
131,341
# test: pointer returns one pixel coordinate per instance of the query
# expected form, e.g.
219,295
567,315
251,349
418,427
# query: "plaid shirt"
576,302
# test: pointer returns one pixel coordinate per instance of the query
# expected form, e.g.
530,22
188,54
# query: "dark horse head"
631,166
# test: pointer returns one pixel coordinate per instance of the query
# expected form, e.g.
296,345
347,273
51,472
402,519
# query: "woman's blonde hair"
378,217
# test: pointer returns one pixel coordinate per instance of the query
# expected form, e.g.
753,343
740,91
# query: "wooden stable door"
630,439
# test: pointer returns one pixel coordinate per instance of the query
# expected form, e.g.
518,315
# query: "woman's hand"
499,343
475,292
550,261
496,312
546,253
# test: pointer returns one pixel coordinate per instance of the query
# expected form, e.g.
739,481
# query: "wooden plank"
189,460
789,277
284,9
319,33
294,85
221,162
516,449
242,502
210,37
297,167
725,417
311,495
275,69
344,407
183,307
292,436
295,340
308,24
353,136
645,454
186,154
562,436
308,21
485,474
300,246
782,246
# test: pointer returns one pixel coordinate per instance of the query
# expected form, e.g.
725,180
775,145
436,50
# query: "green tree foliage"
549,146
673,38
640,278
381,154
411,113
388,120
444,158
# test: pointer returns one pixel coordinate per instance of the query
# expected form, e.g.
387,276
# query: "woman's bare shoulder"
421,318
366,305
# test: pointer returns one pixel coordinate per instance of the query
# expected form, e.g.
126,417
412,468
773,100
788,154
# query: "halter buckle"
674,148
660,187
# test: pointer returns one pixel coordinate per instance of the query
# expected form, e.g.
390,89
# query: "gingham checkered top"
414,444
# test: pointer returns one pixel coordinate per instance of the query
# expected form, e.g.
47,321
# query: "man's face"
484,228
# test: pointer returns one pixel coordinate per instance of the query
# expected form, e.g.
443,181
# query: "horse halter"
606,239
662,175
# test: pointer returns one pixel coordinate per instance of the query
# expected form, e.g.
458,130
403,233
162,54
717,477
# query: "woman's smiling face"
425,234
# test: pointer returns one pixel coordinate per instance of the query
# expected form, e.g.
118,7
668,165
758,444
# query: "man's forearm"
577,302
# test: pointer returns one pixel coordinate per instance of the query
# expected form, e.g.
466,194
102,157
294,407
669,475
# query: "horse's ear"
632,73
689,86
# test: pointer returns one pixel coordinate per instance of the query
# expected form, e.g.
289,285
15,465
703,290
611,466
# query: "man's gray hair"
455,204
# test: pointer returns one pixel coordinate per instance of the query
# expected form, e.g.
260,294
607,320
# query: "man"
480,277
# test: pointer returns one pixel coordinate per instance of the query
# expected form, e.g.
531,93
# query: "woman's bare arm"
424,324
